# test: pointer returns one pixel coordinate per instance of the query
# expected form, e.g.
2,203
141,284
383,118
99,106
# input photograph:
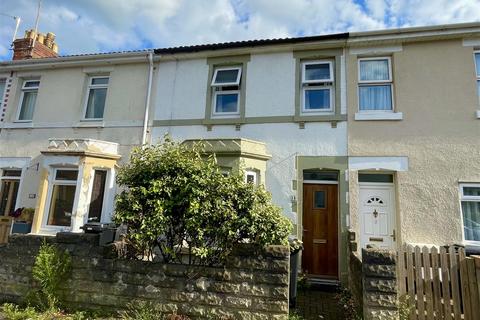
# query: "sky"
90,26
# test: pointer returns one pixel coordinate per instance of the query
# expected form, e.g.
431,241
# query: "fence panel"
440,284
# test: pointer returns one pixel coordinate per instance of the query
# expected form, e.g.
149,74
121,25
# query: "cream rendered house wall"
59,111
435,88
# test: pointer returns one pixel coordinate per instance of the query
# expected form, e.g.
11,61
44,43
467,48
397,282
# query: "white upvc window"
477,71
251,176
375,85
62,192
470,203
226,83
3,84
28,100
317,86
96,97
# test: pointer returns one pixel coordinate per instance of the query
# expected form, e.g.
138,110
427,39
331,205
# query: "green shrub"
14,312
51,268
348,305
175,199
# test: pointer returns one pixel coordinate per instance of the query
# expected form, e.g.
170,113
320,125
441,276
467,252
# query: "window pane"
70,175
60,213
28,105
471,191
374,70
319,200
375,97
317,99
471,220
375,177
320,175
226,103
97,81
8,196
11,173
2,90
320,71
96,200
478,89
31,84
477,63
226,76
96,103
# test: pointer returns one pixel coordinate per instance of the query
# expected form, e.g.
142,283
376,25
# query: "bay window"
62,197
470,199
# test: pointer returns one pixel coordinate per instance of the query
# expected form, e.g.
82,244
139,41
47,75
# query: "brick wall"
253,285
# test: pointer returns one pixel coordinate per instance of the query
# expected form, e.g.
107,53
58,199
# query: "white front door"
377,215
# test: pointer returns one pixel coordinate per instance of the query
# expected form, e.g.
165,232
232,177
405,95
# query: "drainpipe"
147,101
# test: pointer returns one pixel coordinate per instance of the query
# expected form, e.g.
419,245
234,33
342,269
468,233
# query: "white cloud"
108,25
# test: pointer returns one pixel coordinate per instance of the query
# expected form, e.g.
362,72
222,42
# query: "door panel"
377,215
320,236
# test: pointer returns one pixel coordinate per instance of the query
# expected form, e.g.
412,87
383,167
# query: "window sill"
86,123
377,116
18,124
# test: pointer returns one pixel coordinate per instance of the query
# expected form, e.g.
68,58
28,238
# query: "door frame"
339,226
393,216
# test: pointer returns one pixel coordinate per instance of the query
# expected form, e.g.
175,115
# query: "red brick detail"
22,49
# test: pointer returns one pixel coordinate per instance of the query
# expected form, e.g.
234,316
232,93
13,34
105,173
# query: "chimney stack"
34,46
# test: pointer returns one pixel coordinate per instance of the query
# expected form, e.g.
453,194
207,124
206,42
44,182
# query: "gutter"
147,100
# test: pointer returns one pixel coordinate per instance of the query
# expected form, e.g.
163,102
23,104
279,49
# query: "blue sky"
87,26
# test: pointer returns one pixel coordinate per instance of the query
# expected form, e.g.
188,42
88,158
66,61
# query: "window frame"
51,184
10,178
2,93
255,175
465,198
214,106
326,84
372,83
477,75
218,89
91,86
22,96
312,62
226,84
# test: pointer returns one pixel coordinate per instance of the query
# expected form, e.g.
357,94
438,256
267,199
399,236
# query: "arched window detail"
374,200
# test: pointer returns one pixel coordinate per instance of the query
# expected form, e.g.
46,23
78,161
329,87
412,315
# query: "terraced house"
374,132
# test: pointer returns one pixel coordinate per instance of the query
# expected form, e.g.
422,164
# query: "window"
62,197
319,200
470,197
226,91
477,72
251,177
9,183
3,84
96,96
317,86
98,192
28,100
375,85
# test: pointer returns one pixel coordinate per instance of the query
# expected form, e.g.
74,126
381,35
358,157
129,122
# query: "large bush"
177,202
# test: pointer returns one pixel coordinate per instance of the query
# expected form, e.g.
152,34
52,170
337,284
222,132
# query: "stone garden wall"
253,285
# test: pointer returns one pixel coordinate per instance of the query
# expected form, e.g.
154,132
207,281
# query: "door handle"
305,230
393,235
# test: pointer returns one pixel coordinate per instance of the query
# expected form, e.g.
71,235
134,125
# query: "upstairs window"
317,86
226,91
470,197
477,72
375,84
28,100
96,96
3,83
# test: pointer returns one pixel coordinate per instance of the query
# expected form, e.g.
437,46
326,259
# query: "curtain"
96,103
375,97
28,105
374,70
471,220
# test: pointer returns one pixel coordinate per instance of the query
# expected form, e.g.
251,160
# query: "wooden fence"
439,283
5,226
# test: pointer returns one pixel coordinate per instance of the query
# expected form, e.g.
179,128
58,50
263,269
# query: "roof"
249,43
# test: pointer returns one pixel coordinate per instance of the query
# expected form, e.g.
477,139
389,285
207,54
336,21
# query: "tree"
179,202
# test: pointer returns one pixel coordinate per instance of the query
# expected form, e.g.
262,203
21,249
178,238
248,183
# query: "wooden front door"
320,230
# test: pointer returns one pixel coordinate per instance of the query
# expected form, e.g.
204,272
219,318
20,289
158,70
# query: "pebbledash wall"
252,285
